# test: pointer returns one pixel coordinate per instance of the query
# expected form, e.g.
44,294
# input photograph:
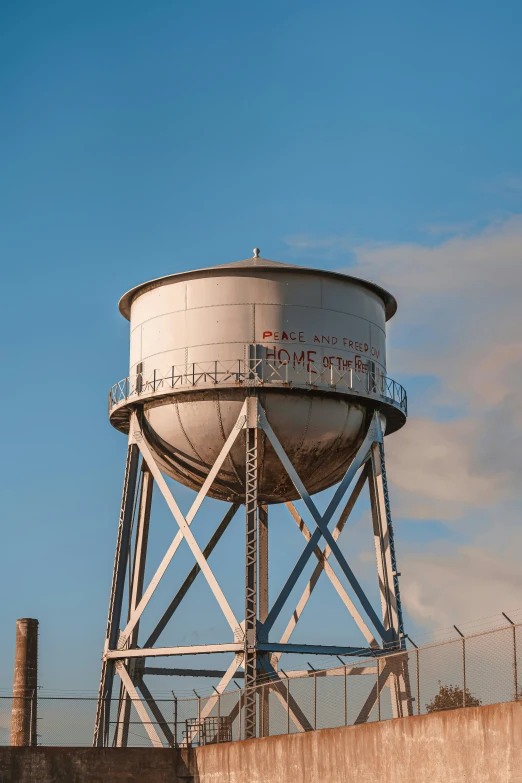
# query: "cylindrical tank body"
301,323
25,684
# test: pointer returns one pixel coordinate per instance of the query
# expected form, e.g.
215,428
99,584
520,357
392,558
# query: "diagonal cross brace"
322,528
169,611
307,592
138,704
323,565
184,525
156,712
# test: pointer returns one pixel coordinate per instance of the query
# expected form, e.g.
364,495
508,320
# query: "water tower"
256,383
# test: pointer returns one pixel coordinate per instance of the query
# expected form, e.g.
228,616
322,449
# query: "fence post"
463,666
378,690
32,735
515,672
219,718
417,675
175,720
315,701
515,675
464,672
288,706
418,683
345,696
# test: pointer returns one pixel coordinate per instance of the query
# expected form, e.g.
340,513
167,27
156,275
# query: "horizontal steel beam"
315,649
158,652
162,671
235,647
299,674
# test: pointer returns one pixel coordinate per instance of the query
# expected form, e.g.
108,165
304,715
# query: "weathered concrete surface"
475,745
94,765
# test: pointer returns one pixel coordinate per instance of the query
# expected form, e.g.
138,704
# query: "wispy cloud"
448,229
506,185
333,248
463,296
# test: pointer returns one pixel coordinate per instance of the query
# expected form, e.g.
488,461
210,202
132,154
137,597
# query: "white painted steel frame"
121,653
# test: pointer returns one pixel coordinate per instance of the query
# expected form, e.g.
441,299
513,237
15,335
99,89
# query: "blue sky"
138,139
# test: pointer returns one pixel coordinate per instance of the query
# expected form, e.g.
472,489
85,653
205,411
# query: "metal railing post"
248,371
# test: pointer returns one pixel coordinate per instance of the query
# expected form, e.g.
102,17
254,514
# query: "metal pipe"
25,684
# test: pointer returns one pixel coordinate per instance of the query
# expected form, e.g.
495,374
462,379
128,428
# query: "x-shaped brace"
322,521
184,531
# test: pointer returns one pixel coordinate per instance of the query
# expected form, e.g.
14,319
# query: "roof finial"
256,252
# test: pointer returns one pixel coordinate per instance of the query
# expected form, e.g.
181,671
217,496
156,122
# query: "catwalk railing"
365,379
469,671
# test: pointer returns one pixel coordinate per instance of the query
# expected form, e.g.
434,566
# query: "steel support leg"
251,507
399,681
263,609
102,724
136,591
382,545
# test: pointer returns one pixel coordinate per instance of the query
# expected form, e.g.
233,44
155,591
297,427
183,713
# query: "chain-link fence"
473,670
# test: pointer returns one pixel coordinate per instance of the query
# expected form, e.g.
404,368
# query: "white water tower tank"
313,342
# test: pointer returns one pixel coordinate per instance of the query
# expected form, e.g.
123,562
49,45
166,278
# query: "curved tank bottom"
320,434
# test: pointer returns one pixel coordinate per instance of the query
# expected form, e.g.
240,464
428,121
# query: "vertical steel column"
263,562
25,684
264,694
251,507
136,591
381,518
388,574
391,543
102,725
403,697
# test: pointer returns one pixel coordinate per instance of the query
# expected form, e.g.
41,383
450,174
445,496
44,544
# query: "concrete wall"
475,745
94,765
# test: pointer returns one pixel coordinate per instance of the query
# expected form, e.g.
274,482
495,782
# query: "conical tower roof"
256,261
